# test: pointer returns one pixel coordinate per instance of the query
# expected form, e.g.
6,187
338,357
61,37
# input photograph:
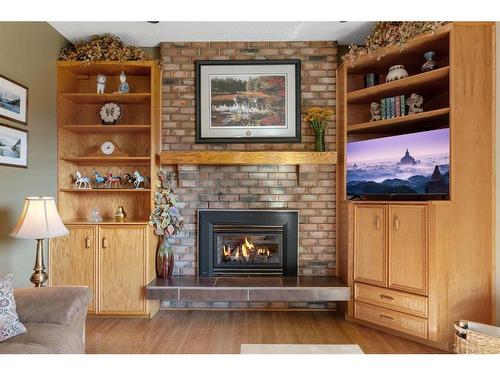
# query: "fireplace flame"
226,250
244,250
246,247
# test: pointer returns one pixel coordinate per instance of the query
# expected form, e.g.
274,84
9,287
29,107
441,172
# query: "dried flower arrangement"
318,117
391,33
165,218
105,47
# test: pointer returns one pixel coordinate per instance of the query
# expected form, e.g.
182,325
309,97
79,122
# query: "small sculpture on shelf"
429,64
414,103
138,180
82,182
123,88
98,180
128,180
95,216
112,181
101,83
375,111
120,214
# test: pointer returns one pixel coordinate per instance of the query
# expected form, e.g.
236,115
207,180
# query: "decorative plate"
110,113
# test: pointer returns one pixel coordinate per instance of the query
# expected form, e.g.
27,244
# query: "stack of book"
393,107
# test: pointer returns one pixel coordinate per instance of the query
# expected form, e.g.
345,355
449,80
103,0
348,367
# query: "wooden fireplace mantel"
247,157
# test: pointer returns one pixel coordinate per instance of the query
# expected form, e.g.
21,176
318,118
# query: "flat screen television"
410,166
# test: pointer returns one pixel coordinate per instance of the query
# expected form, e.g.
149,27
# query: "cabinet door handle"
104,243
396,223
385,296
382,316
87,242
377,222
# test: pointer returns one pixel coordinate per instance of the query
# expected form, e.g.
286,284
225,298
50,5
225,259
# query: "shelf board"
420,83
247,157
108,160
420,121
93,190
384,57
94,98
108,128
107,67
105,222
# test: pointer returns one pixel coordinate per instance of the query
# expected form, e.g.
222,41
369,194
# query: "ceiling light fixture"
153,22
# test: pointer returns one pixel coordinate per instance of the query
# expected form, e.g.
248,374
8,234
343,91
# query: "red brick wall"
311,189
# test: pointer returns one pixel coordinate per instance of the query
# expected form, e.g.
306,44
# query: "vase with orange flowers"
318,118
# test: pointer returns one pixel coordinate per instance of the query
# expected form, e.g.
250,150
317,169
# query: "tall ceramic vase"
164,259
319,140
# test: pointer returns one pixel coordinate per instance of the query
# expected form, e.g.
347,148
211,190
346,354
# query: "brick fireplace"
310,189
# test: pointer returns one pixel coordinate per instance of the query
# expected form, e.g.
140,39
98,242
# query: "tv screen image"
409,164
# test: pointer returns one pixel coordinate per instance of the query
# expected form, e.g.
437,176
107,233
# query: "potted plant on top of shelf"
167,223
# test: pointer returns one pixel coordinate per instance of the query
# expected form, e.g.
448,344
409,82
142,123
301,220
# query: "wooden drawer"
395,300
398,321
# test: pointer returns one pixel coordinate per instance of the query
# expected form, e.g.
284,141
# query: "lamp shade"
39,219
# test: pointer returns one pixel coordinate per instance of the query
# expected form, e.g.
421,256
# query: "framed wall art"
248,101
13,101
13,146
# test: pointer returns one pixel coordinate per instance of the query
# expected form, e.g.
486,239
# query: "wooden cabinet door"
408,248
370,254
122,258
72,259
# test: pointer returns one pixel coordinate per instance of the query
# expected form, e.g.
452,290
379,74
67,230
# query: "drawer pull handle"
396,223
382,316
385,296
377,222
87,243
104,243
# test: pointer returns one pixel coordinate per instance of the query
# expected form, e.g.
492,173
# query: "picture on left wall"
13,147
13,101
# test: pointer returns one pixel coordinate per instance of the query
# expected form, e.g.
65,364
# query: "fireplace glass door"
248,248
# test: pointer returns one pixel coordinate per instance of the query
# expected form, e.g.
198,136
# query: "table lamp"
39,220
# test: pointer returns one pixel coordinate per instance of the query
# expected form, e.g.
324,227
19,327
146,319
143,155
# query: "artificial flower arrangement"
318,118
167,223
105,47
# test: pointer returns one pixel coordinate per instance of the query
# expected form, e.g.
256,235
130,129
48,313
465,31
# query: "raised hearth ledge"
247,157
249,289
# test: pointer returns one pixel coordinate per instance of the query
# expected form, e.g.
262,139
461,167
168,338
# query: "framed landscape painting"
13,147
13,101
248,101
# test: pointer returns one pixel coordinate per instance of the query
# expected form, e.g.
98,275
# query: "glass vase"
319,140
164,258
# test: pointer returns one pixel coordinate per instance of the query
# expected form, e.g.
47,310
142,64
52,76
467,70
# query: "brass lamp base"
39,276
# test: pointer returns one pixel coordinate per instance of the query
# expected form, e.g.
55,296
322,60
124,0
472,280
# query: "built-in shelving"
112,190
423,83
94,98
108,160
247,157
108,128
404,124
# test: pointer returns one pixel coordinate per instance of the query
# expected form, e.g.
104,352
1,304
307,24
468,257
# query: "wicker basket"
476,338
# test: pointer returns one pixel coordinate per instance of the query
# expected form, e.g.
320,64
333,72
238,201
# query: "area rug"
299,349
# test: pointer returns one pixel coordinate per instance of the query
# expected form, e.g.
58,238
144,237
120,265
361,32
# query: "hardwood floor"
223,332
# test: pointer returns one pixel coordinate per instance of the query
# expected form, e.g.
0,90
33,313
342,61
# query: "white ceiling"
145,34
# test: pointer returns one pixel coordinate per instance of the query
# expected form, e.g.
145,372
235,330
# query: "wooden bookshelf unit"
415,267
96,253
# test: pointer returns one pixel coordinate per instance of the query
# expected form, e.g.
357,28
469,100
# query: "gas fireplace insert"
247,242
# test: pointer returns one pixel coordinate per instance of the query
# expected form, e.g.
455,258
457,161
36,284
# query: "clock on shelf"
108,148
110,113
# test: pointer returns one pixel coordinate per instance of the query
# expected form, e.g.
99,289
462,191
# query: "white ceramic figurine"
101,83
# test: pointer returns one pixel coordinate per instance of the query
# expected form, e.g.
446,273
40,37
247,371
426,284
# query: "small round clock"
108,148
110,113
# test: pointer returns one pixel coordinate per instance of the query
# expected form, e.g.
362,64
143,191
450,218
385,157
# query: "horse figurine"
128,179
82,182
138,180
112,181
98,179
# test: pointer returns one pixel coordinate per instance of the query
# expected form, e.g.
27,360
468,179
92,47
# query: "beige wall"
28,52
